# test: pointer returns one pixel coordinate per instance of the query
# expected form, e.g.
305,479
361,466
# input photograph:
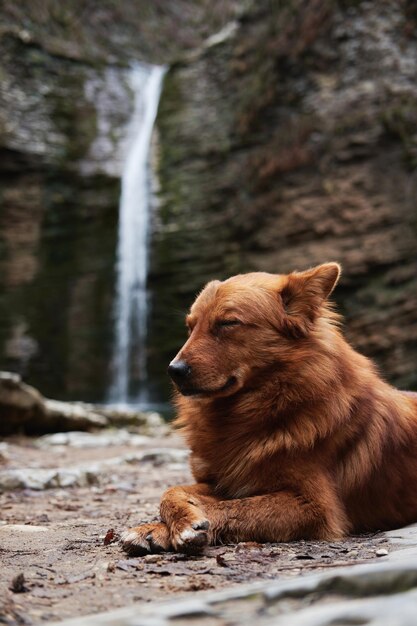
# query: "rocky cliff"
287,136
62,124
288,140
65,104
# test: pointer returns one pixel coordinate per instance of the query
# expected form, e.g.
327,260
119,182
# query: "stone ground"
64,500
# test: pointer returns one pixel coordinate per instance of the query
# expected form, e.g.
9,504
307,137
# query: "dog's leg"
183,512
277,517
196,517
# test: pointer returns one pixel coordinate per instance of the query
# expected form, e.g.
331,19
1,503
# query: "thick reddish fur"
293,434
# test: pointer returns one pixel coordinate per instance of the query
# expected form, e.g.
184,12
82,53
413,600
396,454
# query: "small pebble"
19,584
381,552
152,558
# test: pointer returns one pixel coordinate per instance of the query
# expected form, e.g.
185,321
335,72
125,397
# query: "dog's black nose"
179,370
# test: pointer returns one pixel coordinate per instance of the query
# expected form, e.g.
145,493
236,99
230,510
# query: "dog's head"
249,323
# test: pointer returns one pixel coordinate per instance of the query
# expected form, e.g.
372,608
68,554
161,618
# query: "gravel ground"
59,552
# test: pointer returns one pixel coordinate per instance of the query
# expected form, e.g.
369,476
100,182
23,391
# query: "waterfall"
131,308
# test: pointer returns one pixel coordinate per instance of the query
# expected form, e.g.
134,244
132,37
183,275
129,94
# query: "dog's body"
293,434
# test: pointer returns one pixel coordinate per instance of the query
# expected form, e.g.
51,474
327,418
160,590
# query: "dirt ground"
56,559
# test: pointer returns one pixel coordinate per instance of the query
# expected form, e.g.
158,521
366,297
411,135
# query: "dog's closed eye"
228,323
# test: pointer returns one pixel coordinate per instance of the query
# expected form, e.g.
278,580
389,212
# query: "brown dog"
293,434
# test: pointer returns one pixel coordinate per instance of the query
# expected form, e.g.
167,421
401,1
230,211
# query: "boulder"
290,141
24,410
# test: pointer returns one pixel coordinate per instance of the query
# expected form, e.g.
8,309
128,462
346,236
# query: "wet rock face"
62,133
288,138
65,101
291,141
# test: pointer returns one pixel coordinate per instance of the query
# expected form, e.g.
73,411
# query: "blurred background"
147,147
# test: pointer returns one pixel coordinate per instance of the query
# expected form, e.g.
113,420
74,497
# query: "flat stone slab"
383,593
22,528
406,536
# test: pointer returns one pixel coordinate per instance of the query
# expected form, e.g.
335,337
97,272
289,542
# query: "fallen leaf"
249,545
18,584
221,561
110,537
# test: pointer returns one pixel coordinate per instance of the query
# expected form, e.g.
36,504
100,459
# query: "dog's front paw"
146,539
190,537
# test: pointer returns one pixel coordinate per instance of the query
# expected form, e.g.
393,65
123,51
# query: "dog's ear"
304,293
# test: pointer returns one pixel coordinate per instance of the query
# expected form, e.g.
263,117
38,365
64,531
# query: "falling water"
131,310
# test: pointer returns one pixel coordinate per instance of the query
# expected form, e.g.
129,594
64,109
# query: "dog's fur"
293,434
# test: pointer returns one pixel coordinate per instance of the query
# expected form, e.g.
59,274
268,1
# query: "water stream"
129,371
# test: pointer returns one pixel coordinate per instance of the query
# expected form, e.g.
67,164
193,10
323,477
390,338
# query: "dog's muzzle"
179,371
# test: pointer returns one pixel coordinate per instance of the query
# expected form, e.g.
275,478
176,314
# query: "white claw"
186,535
